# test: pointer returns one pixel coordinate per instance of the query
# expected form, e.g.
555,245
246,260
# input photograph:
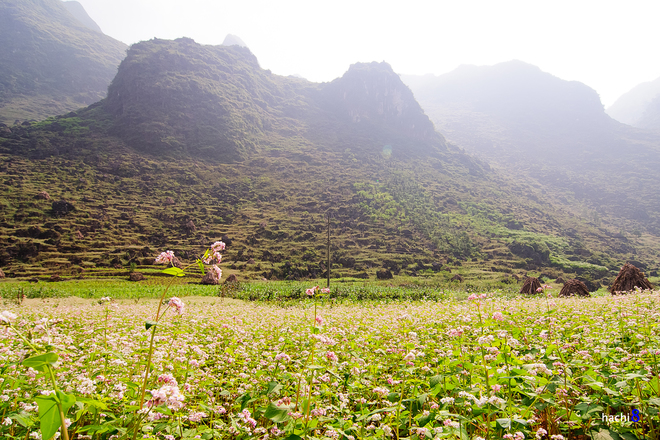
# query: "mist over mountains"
640,107
195,142
181,98
50,62
511,109
555,132
78,11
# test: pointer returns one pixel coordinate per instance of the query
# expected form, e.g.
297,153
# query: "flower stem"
151,351
51,375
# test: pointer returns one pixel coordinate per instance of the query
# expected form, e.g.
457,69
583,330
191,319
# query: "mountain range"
195,142
640,107
78,11
550,131
50,62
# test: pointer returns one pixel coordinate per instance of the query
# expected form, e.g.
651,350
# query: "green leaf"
174,271
243,400
293,437
49,415
504,423
96,429
200,263
435,380
588,410
633,376
393,397
149,324
23,419
39,362
426,419
276,414
606,434
67,400
273,386
92,402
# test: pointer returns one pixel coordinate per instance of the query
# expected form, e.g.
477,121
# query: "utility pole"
328,249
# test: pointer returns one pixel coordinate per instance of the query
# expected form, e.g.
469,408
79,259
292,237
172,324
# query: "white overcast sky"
609,45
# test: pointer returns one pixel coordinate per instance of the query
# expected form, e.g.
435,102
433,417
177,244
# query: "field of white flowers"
484,368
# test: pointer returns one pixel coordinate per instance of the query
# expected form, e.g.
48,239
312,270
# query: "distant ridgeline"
50,62
197,142
556,133
180,99
639,107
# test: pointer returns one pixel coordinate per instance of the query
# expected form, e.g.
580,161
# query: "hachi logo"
634,417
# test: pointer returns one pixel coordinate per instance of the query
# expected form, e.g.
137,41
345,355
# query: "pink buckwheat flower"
7,317
167,378
283,357
325,290
165,257
169,395
218,246
541,433
197,416
213,256
331,356
216,272
177,304
311,291
381,391
498,316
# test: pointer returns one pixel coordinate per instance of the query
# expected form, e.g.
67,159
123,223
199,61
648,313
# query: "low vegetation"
487,366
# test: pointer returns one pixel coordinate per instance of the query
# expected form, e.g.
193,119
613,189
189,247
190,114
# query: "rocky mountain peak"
78,11
374,93
233,40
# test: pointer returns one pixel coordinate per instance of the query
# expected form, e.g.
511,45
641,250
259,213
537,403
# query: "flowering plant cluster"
427,370
211,257
315,290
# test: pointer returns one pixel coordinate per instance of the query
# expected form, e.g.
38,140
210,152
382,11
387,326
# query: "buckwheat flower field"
483,368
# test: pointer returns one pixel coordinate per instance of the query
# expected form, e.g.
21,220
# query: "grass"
343,289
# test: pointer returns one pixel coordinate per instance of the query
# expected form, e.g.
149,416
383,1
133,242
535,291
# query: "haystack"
136,276
530,286
629,277
209,279
574,288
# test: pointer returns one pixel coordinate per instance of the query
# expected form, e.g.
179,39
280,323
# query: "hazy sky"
609,45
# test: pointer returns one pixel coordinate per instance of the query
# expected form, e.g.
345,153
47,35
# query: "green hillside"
194,143
50,63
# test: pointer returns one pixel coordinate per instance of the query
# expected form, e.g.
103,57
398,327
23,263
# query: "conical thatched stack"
574,288
629,277
530,286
